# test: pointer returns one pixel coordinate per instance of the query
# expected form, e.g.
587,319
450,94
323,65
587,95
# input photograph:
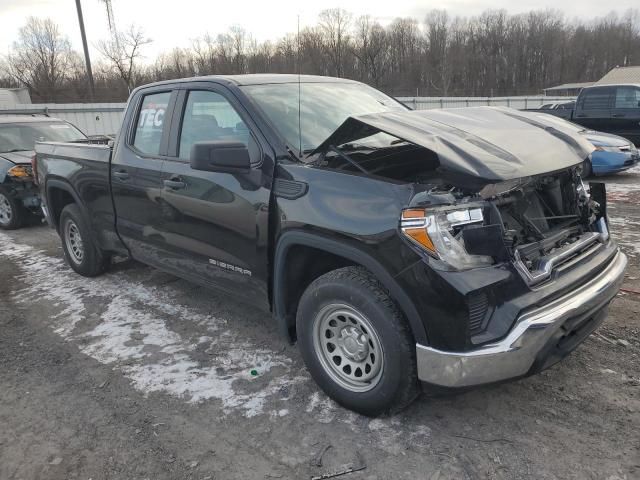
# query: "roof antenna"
299,93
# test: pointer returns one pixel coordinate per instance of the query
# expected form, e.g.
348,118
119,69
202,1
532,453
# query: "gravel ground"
140,375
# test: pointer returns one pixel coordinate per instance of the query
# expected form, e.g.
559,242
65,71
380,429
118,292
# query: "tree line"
491,54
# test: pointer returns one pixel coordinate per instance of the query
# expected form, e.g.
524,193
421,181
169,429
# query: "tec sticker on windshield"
59,126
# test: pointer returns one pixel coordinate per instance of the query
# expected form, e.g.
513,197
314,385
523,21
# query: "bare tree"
494,53
42,58
123,51
371,49
334,24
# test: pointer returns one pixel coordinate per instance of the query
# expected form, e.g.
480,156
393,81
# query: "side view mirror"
220,156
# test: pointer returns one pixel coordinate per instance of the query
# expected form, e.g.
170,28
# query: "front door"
136,175
216,224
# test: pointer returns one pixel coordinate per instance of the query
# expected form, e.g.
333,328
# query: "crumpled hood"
18,157
488,144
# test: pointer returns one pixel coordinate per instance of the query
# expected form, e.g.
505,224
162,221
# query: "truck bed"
81,172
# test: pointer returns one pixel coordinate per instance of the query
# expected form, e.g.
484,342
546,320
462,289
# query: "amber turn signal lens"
420,236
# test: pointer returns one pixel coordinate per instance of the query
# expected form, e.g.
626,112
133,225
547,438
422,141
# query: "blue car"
613,154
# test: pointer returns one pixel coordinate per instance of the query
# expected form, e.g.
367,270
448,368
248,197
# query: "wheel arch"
60,194
351,255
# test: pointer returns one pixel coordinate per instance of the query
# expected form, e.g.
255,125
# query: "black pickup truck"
395,246
606,108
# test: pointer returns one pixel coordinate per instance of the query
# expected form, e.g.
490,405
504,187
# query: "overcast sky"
171,23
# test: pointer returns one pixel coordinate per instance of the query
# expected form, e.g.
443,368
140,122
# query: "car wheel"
81,253
587,170
12,213
356,343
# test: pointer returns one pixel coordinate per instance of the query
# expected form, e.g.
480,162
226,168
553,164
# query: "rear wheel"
12,213
356,343
81,253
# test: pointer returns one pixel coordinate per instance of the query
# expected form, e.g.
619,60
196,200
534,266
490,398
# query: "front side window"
208,116
596,99
148,132
16,137
627,97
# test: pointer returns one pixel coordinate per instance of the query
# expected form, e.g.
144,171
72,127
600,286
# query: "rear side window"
208,116
596,99
627,97
148,132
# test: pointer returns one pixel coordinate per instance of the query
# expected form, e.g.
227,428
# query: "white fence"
521,103
105,118
91,118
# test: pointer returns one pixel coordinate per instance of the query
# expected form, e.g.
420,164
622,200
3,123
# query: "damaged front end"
537,224
503,223
490,185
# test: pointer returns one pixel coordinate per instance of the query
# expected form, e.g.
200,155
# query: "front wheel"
356,343
12,213
81,253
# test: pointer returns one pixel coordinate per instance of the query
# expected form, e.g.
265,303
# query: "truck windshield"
324,106
16,137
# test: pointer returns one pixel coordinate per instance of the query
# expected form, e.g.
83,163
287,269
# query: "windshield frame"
293,148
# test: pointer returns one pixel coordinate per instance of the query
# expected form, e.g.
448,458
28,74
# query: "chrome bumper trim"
514,355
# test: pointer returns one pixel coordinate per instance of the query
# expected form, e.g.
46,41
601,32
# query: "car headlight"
439,233
20,171
604,148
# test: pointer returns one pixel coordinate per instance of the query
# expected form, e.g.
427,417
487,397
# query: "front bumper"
535,336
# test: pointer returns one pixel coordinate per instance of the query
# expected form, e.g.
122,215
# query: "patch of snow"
132,333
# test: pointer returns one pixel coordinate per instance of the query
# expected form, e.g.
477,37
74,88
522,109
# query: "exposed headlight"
20,171
439,233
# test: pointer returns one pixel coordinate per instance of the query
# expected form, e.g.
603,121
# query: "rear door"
216,224
626,113
593,109
136,173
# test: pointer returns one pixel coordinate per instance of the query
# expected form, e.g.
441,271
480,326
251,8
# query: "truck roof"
27,119
256,79
609,85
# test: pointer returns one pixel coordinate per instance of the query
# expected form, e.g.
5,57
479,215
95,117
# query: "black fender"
351,253
66,186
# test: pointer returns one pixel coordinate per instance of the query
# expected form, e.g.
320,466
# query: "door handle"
618,115
121,174
581,115
174,183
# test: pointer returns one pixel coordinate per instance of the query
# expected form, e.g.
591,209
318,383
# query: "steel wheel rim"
74,243
348,347
6,212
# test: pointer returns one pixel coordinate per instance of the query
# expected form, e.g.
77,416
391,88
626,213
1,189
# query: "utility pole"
87,60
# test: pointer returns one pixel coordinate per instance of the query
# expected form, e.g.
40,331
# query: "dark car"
454,247
18,135
612,109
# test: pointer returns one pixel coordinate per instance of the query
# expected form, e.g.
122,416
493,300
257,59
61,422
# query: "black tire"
92,261
587,170
12,212
357,290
